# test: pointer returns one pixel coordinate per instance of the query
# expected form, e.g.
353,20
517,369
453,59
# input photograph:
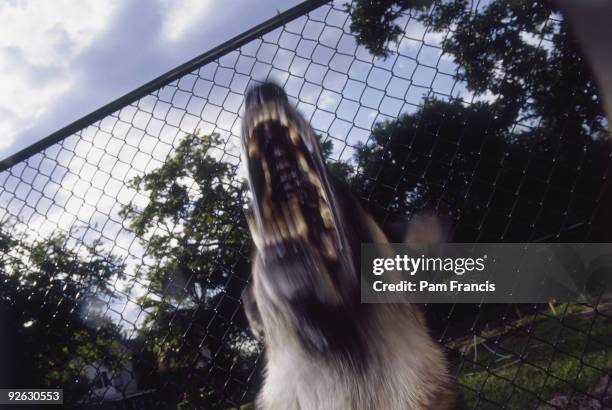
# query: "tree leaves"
48,330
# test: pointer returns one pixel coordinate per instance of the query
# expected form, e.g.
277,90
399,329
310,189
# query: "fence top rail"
163,80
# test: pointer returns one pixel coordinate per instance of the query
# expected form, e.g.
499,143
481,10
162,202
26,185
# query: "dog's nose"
265,92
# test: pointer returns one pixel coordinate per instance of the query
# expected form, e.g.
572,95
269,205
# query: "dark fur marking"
330,330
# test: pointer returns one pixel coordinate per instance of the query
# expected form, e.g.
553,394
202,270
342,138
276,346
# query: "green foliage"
194,231
574,363
193,224
50,327
421,161
341,171
523,52
520,51
472,161
462,161
373,22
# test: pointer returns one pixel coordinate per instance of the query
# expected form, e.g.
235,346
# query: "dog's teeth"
303,163
293,134
277,232
272,112
282,117
300,222
329,251
266,171
260,118
283,229
326,215
248,128
267,238
314,180
253,148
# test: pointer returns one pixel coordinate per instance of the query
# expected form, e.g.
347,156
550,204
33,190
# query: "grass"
528,362
525,363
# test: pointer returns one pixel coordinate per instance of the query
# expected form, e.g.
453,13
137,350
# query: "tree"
519,51
421,161
196,264
462,161
372,21
524,53
544,123
48,333
340,170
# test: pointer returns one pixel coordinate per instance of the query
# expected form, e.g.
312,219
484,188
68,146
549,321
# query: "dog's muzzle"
291,195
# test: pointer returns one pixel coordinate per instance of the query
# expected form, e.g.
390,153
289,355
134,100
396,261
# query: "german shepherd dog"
324,349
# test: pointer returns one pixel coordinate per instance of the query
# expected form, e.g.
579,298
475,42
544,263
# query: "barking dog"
324,349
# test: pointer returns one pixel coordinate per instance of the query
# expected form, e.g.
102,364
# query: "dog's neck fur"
390,361
404,369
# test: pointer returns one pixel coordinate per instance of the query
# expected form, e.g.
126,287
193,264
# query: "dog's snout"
264,93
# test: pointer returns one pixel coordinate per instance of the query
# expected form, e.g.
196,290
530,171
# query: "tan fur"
325,350
409,372
407,369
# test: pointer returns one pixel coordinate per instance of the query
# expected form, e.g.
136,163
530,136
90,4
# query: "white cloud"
20,104
180,17
62,59
49,31
39,41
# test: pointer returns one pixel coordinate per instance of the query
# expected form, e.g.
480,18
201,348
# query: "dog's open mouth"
286,174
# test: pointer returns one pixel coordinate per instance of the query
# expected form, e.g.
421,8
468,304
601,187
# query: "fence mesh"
124,250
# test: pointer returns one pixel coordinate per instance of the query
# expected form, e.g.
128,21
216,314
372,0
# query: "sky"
62,59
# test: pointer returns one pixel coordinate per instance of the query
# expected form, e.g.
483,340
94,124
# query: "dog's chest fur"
406,371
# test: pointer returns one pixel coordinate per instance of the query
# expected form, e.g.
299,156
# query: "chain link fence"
124,250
